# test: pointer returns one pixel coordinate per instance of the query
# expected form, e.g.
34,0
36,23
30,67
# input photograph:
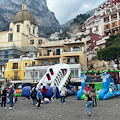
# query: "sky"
66,10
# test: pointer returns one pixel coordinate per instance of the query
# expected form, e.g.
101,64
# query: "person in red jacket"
87,88
44,90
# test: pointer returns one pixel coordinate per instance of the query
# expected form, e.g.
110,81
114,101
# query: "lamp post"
33,74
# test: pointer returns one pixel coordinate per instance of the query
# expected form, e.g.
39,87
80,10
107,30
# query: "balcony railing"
15,77
75,50
73,62
113,19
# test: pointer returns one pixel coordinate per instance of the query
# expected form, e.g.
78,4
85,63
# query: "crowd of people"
39,96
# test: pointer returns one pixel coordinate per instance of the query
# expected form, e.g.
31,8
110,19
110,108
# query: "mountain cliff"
75,24
45,19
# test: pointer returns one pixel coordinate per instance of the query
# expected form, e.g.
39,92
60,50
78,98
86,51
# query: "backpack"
33,94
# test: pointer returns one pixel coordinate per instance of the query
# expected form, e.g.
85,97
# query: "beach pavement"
72,110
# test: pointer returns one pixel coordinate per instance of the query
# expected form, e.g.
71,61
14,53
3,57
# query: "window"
29,30
48,51
46,63
33,63
56,62
76,48
6,54
10,37
74,73
33,30
31,42
15,65
96,28
58,51
39,42
90,30
73,60
26,64
31,55
18,28
107,26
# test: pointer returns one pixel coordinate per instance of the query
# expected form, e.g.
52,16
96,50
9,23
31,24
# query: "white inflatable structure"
59,74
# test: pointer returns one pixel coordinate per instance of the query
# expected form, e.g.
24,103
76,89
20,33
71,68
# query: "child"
98,91
15,99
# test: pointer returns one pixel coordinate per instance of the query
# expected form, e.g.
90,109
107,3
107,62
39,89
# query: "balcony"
113,19
15,77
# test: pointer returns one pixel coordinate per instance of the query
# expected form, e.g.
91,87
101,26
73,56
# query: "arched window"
18,28
76,48
6,54
33,30
46,62
56,62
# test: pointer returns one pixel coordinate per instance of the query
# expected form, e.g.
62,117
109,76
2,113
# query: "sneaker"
10,108
64,102
1,107
5,107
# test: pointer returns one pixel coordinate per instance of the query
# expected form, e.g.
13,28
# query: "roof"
23,15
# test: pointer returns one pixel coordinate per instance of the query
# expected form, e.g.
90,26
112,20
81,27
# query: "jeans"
54,95
11,102
34,101
62,99
90,104
3,101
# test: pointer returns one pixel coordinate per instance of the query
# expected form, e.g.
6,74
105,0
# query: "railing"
75,50
113,19
15,77
73,62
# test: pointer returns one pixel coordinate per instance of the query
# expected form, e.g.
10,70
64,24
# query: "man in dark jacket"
4,95
11,96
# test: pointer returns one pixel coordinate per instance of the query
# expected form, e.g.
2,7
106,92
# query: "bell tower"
24,5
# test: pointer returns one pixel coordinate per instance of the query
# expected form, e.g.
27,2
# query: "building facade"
15,68
67,51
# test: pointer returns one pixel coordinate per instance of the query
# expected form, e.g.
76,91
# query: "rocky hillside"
76,24
45,19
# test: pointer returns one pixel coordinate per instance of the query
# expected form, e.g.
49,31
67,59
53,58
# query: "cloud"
68,9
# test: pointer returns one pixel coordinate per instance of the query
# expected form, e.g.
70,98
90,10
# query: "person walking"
54,91
89,103
34,96
4,96
11,96
39,97
63,94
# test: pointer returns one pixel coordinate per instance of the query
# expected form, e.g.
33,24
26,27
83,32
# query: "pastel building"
66,51
15,68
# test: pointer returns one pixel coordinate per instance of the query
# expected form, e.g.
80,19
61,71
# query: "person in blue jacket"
39,97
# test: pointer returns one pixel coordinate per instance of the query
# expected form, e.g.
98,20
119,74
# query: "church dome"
23,15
